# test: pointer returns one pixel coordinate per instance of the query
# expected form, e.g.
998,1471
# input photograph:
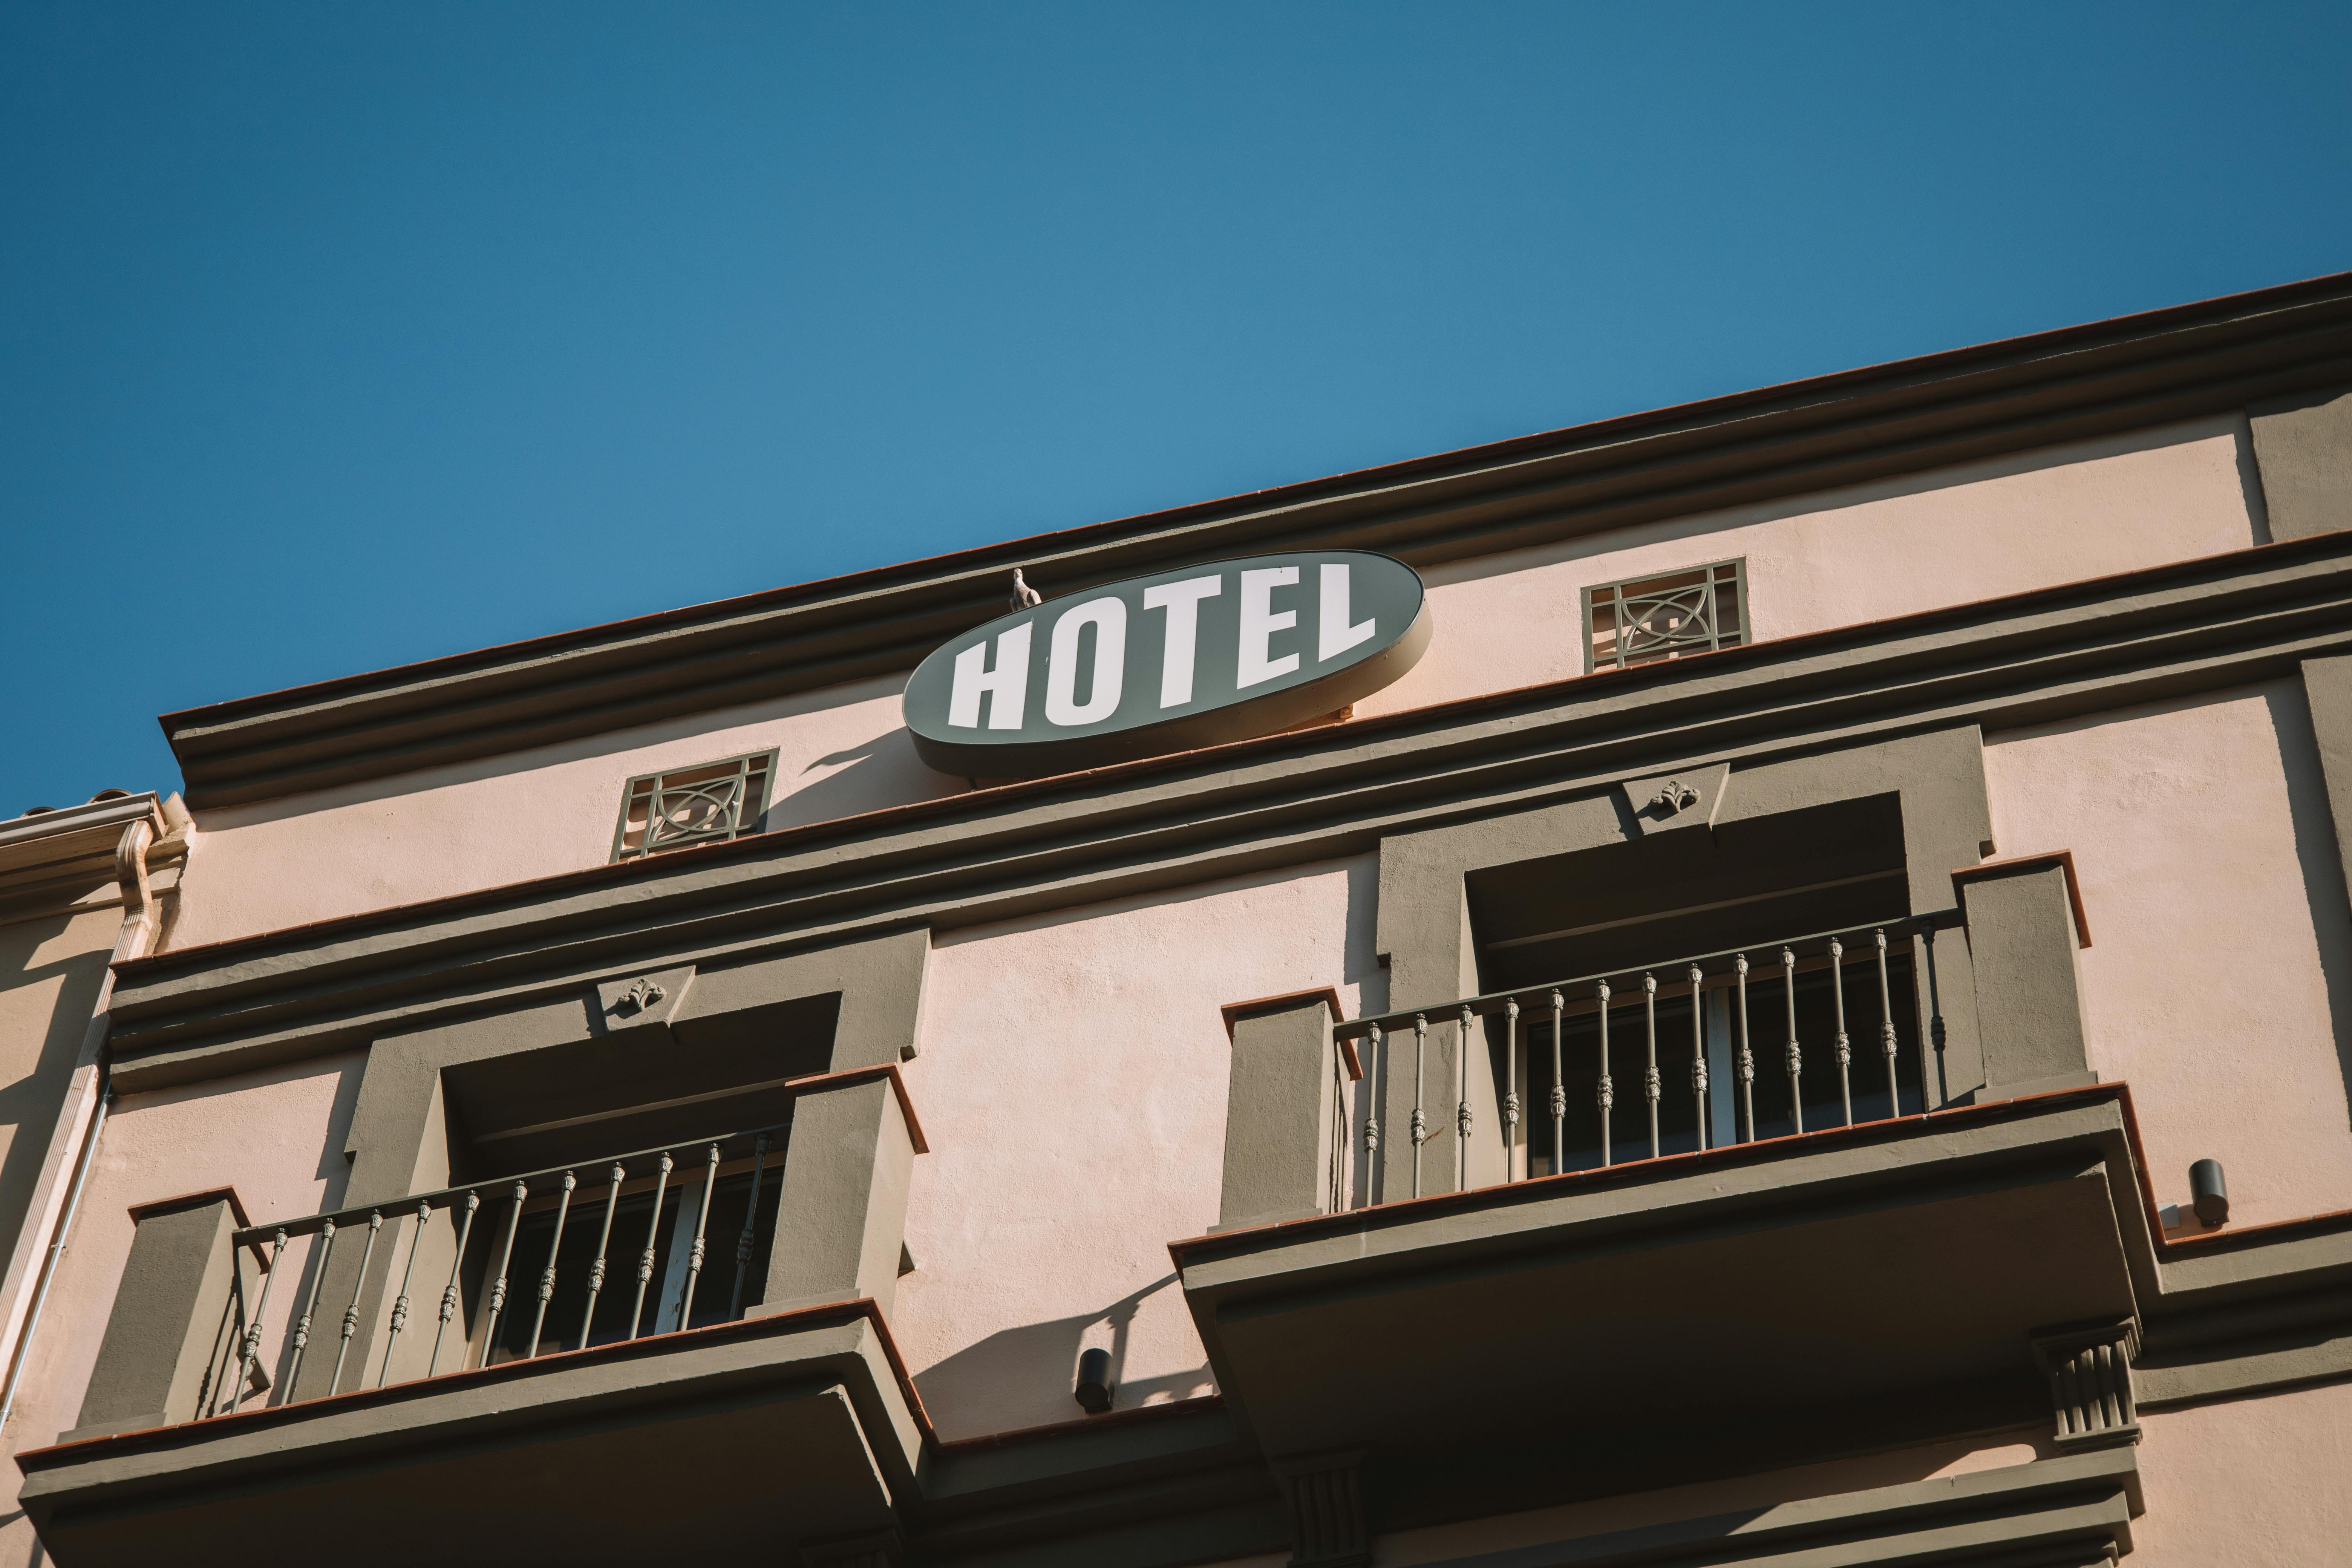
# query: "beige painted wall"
2248,1483
534,814
1073,1086
1950,536
1503,621
2207,862
276,1136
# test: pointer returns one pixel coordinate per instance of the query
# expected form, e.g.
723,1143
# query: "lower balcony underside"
752,1438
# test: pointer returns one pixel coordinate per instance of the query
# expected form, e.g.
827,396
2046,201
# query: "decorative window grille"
1649,618
707,803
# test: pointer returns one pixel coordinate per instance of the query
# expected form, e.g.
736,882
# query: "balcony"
668,1351
1730,1236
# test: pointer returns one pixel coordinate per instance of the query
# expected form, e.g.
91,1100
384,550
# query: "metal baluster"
449,1293
1335,1163
351,1312
1844,1050
596,1269
1604,1093
1650,1086
1461,1108
1887,1030
546,1276
1510,1082
701,1218
743,1242
506,1256
253,1331
653,1230
1796,1057
1420,1125
1558,1088
400,1305
311,1306
1698,1053
1746,1061
1373,1085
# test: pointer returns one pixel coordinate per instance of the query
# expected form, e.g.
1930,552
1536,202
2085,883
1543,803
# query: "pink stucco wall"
1824,560
2248,1483
1073,1086
533,814
277,1137
2202,834
1949,536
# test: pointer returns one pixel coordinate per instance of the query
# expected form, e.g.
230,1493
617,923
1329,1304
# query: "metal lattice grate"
1649,619
707,804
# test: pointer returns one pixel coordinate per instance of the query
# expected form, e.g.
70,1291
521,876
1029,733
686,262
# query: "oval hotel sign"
1188,659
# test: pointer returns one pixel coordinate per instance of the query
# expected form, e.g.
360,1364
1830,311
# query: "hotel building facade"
1766,983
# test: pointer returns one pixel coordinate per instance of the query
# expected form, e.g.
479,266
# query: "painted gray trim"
841,1220
1847,428
2072,1511
2328,692
830,1397
1278,1115
2248,615
165,1329
2022,945
2303,445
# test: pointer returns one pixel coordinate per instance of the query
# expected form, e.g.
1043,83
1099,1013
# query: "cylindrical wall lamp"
2208,1195
1093,1382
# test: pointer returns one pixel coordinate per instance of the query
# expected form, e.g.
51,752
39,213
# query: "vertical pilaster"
1329,1527
1279,1117
2025,922
168,1326
2303,445
841,1221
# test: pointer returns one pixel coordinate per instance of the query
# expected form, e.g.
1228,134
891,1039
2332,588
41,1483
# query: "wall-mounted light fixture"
2208,1195
1093,1382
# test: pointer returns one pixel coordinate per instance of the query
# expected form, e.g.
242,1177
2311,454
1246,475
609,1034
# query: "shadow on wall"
2317,857
1035,1367
29,1103
883,771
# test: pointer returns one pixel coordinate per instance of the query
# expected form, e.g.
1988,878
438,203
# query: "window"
707,804
1666,616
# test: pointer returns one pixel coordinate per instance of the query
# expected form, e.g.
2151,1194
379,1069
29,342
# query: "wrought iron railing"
1720,1008
521,1269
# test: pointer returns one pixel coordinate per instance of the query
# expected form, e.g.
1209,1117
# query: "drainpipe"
74,1142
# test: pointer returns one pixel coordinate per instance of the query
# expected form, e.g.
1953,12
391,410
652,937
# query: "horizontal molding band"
1251,806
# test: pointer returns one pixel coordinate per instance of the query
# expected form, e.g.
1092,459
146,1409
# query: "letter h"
1008,682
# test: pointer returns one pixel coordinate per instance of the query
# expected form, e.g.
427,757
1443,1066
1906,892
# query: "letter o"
1108,617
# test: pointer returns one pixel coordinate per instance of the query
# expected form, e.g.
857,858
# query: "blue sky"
337,337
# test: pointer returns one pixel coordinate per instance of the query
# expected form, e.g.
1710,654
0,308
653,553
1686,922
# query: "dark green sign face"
1188,659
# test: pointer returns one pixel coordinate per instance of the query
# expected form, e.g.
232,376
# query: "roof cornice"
1850,428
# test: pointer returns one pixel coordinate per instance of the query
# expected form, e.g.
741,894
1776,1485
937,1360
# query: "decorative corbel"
2089,1371
1328,1525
